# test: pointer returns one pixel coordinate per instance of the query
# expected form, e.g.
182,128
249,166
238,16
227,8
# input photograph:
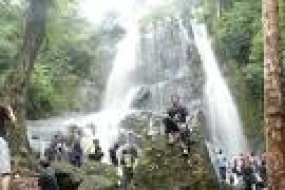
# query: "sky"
94,10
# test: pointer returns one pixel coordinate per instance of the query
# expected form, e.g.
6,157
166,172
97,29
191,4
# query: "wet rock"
143,96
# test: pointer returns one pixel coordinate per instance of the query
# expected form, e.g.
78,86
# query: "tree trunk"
16,84
274,97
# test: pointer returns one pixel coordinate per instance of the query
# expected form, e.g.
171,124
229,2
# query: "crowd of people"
73,152
247,171
123,156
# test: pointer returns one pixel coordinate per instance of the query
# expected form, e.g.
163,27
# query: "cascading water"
224,123
120,81
120,93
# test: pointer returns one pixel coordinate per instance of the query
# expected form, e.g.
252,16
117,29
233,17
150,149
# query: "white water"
120,93
224,123
120,81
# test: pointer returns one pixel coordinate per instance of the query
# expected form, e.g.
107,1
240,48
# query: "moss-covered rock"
162,167
99,177
96,182
100,169
91,176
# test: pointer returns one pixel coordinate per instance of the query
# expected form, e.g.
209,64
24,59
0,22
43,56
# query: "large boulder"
162,167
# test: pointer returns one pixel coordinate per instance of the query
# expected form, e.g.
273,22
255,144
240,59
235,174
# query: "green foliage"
41,93
236,28
73,53
100,177
71,56
10,34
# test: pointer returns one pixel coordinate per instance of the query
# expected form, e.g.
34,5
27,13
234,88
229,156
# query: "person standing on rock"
6,115
176,127
176,114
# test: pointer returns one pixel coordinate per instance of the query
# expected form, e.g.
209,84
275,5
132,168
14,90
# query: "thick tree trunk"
274,97
16,84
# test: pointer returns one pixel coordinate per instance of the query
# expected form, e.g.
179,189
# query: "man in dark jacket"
248,175
176,115
47,179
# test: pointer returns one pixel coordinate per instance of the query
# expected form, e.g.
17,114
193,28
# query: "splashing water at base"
224,123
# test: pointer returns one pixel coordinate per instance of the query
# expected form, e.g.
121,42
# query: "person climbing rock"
6,115
176,115
47,178
95,152
113,154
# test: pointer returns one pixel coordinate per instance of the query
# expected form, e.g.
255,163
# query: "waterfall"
120,81
121,90
224,123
